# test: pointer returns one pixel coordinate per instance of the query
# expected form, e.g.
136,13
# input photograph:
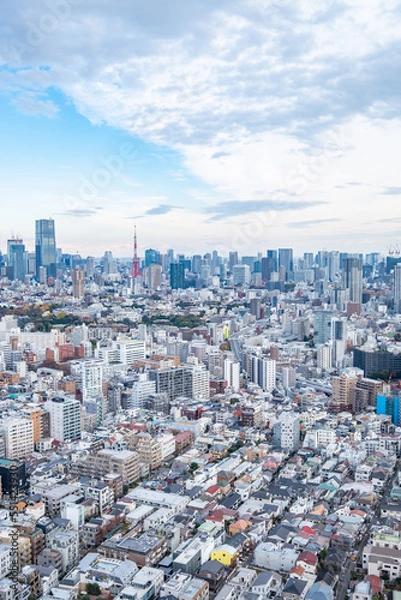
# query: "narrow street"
346,571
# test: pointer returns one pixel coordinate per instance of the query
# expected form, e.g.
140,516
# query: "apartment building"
19,438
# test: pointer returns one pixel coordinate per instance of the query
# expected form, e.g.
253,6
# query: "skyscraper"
196,264
339,338
90,266
241,275
272,255
333,264
152,257
45,246
309,260
397,288
322,326
232,260
177,276
16,258
352,278
285,259
268,266
78,283
152,276
109,266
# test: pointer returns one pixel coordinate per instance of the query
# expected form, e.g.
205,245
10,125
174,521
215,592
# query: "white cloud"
249,91
31,105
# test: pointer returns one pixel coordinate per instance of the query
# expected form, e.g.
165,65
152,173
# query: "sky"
209,124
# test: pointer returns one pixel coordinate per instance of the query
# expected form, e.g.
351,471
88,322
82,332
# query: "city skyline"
206,123
287,253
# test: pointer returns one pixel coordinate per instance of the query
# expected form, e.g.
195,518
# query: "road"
346,571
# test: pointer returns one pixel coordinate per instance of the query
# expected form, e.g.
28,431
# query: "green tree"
93,589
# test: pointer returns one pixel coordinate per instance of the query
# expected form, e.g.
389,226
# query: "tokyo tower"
135,271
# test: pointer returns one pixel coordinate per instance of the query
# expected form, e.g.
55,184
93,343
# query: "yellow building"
226,555
36,418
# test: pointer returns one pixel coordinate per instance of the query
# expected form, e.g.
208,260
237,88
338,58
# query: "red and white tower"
135,271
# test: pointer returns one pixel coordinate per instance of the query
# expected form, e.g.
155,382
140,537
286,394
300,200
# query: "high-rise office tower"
286,260
397,288
16,258
152,257
272,254
322,257
268,266
333,264
154,276
372,259
309,260
196,264
168,260
339,338
78,283
232,260
248,260
352,278
109,267
241,274
343,256
322,326
90,267
45,247
177,276
205,274
215,262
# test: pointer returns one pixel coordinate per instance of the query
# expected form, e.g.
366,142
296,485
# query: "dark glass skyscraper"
272,256
45,246
177,276
16,258
152,257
